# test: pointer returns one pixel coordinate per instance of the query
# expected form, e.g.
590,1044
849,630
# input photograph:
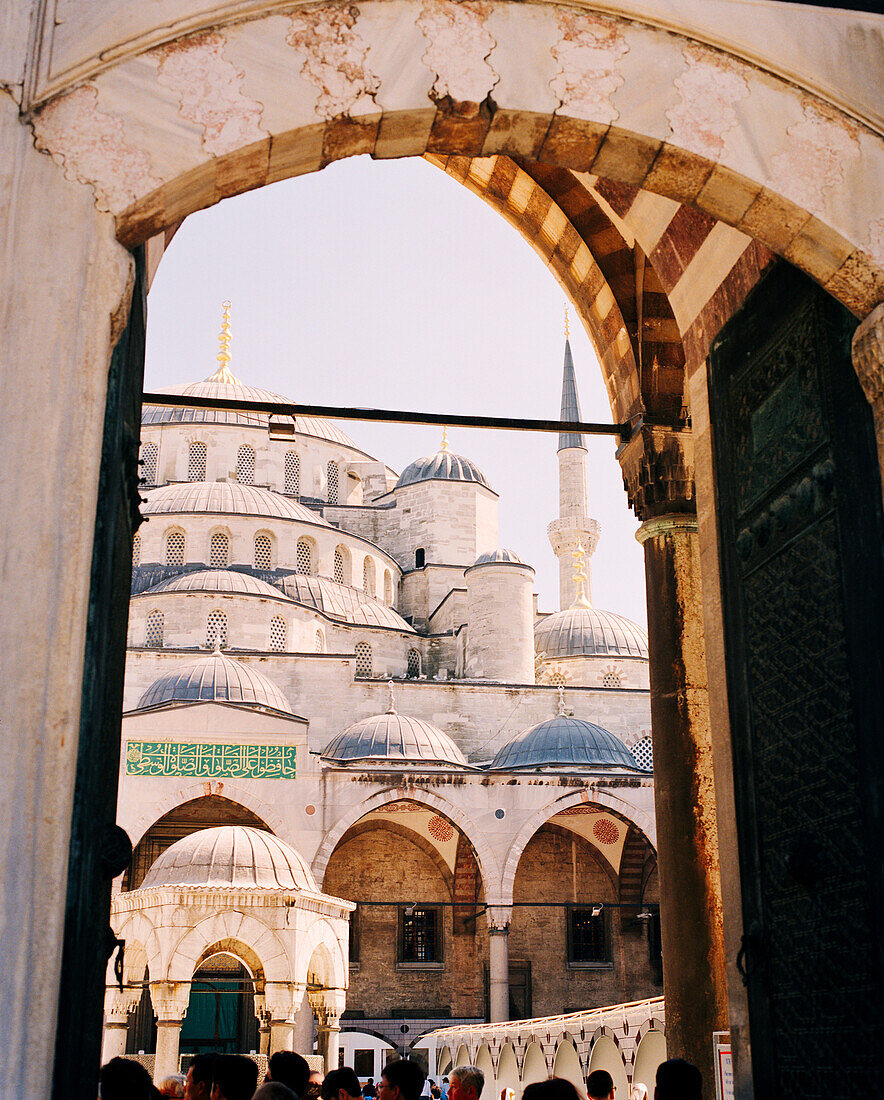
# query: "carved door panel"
99,850
799,508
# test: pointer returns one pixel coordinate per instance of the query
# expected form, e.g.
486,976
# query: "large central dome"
442,466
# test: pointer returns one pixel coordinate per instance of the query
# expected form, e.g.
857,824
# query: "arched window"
175,548
277,633
339,565
196,462
363,659
304,557
334,477
219,551
420,558
643,752
414,664
216,629
263,552
149,464
368,574
319,642
293,474
153,637
388,588
245,464
136,550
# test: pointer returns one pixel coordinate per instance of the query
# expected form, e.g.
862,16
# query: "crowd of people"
289,1077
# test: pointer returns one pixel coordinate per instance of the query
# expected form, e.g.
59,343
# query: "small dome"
228,498
340,601
231,856
565,742
394,738
217,580
305,425
587,632
499,555
442,466
215,679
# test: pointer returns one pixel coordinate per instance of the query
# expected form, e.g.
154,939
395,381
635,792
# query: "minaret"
574,528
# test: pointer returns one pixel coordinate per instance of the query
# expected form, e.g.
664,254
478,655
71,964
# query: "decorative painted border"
210,761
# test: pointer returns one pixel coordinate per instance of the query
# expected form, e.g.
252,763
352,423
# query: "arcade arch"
606,1054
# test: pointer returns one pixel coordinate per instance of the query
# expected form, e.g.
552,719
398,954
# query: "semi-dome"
393,738
228,581
499,555
234,390
442,466
588,632
341,602
564,741
227,498
231,856
215,679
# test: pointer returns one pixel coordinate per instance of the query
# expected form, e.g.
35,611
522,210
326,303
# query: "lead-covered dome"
215,679
228,581
588,632
442,466
231,856
507,557
341,602
564,741
393,738
226,498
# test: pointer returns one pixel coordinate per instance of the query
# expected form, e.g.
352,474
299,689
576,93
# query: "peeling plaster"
459,45
335,57
209,90
875,241
95,148
587,55
710,87
814,157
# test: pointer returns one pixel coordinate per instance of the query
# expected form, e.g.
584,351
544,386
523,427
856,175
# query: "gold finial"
391,705
561,698
578,555
567,322
445,440
224,373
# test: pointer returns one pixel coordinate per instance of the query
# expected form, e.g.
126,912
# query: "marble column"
303,1029
117,1007
498,964
658,468
330,1041
868,362
169,1000
281,1036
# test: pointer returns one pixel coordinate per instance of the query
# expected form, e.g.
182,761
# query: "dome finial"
561,709
580,599
391,706
224,373
567,322
216,648
445,440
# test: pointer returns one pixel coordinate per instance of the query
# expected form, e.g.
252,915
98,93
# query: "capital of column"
676,523
499,917
281,1001
868,355
658,471
118,1004
170,1001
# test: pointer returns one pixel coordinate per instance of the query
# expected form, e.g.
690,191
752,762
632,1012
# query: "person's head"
340,1084
314,1085
198,1080
274,1090
600,1085
234,1077
173,1085
466,1083
291,1069
678,1080
553,1088
401,1080
124,1079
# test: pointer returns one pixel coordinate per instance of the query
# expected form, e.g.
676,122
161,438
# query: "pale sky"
387,284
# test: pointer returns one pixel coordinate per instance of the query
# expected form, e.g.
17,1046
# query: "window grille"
363,659
611,680
196,462
643,751
277,633
557,679
304,557
414,664
216,629
136,550
154,636
245,465
320,642
263,552
388,588
175,548
293,474
333,476
339,566
421,936
587,939
368,577
149,464
219,551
